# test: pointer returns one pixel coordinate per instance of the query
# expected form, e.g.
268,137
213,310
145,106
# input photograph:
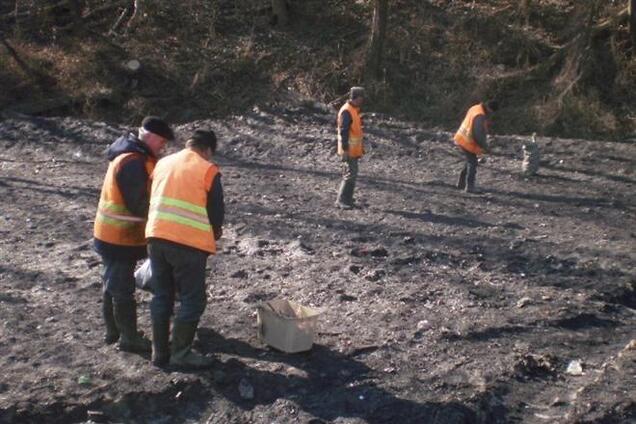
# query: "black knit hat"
158,126
204,138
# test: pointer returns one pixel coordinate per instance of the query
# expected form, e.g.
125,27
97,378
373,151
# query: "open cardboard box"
286,325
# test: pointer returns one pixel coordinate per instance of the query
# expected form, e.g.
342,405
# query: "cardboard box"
286,325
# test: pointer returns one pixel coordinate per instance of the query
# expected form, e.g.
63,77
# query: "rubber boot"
461,182
112,332
345,195
470,184
130,340
181,355
160,343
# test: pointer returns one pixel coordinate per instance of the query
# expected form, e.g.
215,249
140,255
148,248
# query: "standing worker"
471,139
350,145
119,227
185,219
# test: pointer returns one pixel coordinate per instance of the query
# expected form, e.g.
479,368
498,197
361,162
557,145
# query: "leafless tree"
632,23
378,34
279,10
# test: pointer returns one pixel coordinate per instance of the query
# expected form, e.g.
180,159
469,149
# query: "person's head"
491,106
204,141
154,132
356,96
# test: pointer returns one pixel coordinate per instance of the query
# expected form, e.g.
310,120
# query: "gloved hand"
345,156
482,159
218,232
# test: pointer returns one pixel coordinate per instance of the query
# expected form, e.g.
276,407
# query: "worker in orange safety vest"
471,140
350,145
119,227
185,220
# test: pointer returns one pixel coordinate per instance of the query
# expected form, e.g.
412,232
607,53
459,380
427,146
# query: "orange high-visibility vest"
356,148
178,200
114,223
464,135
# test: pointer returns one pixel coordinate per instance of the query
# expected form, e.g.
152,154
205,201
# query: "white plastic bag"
143,276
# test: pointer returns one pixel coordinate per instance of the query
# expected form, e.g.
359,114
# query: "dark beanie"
158,126
204,138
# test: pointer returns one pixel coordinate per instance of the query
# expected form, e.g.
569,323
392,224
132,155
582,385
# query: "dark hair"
492,105
356,92
203,139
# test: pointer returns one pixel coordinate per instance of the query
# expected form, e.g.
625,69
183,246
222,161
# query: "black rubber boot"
112,332
461,182
181,355
130,340
160,343
345,195
470,183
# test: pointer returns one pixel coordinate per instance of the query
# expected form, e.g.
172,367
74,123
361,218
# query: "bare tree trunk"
279,11
16,13
378,34
632,23
524,12
76,13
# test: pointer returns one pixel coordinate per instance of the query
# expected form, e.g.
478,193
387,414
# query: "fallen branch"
105,8
120,20
136,13
610,22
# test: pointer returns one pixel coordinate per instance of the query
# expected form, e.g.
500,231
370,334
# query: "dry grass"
440,57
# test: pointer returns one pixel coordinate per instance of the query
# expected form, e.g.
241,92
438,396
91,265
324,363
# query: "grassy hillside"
558,67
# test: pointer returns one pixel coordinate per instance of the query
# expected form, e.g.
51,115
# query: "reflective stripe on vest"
464,136
356,133
116,214
114,223
178,201
181,212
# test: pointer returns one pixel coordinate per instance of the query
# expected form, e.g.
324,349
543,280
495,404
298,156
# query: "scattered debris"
523,302
575,368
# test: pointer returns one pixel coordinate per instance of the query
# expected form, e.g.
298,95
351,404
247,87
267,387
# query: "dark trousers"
177,268
348,184
119,279
468,173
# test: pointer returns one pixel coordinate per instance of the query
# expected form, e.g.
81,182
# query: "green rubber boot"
182,355
130,340
160,343
112,332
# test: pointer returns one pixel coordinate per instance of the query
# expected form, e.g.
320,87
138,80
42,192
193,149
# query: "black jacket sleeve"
479,131
216,204
132,180
344,130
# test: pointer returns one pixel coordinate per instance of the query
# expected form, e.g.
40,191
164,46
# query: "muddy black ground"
438,306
